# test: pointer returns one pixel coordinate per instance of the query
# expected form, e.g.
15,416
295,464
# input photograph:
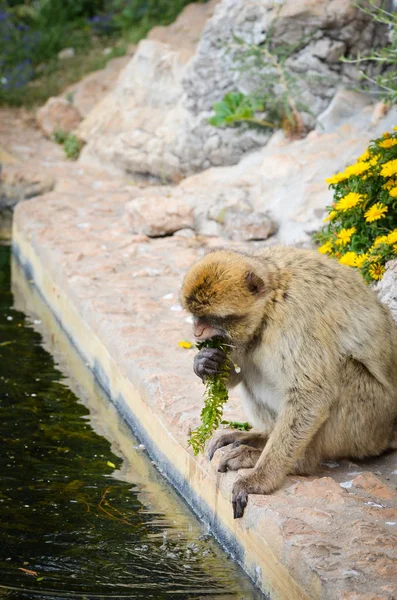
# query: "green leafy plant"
70,142
237,425
215,396
236,107
275,101
362,221
385,58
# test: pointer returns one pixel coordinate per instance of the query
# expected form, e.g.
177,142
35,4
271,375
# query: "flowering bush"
362,221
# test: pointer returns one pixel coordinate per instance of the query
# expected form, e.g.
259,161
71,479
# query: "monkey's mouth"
206,332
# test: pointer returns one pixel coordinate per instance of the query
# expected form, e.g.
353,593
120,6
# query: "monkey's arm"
209,362
305,410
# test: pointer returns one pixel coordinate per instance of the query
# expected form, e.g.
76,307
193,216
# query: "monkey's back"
332,300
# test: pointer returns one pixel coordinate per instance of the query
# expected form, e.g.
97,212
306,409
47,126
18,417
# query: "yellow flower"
326,248
377,211
393,192
357,169
349,201
395,128
381,239
388,143
336,178
386,134
344,236
395,248
376,271
331,216
349,259
360,260
389,184
185,344
389,169
364,156
392,237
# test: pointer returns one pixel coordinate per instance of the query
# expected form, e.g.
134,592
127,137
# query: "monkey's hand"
237,438
208,362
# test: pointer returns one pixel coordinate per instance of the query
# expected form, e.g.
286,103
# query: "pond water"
83,511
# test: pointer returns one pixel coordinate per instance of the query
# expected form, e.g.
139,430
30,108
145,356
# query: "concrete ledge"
110,292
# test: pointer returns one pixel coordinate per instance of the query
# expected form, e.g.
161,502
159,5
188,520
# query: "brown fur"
318,358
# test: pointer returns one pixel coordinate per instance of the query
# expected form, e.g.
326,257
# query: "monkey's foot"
237,438
252,483
240,457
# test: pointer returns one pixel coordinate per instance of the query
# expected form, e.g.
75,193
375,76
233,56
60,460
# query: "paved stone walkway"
329,536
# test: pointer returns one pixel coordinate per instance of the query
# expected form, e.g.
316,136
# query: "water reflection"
84,513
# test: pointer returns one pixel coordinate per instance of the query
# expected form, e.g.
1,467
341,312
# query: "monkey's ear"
254,283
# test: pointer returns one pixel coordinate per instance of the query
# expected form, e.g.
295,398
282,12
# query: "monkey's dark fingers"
239,502
243,457
254,439
223,440
205,366
214,354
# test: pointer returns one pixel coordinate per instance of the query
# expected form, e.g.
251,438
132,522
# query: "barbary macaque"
317,354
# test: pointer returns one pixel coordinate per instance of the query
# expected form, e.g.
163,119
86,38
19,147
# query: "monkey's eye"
227,321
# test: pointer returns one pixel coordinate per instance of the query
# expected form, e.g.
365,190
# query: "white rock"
158,215
57,114
387,289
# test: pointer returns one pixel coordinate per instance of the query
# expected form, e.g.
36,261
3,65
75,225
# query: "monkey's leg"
235,437
301,418
240,457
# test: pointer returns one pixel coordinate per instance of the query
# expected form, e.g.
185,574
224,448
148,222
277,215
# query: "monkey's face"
225,297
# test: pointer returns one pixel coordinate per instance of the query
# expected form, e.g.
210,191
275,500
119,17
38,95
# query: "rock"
343,107
155,121
186,30
387,288
185,233
21,183
57,114
248,226
93,88
158,216
285,181
6,158
66,53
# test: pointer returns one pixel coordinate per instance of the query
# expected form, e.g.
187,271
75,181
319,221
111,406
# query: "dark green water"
82,527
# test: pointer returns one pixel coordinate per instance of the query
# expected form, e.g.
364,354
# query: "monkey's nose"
202,332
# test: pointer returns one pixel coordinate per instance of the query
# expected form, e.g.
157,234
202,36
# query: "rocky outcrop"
57,114
17,184
85,94
155,121
280,191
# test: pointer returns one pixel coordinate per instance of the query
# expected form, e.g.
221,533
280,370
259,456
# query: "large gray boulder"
155,121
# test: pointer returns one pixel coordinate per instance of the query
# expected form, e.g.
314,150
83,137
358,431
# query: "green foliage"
235,108
237,425
385,58
215,396
362,229
33,33
70,142
275,99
